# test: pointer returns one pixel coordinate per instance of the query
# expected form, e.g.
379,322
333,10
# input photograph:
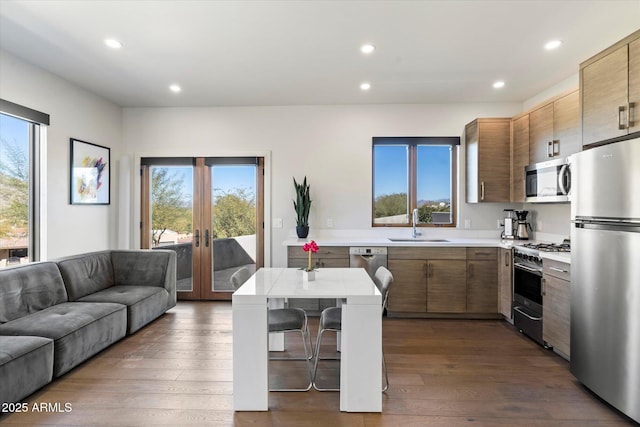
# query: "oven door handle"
526,315
529,269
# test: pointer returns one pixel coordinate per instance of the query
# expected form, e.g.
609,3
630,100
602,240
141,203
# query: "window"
21,140
414,173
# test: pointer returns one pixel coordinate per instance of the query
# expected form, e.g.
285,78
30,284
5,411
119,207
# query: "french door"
210,211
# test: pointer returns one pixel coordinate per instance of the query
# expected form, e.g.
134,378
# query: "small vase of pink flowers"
309,273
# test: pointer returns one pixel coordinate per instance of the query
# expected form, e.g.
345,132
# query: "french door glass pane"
391,184
233,222
434,186
172,217
14,190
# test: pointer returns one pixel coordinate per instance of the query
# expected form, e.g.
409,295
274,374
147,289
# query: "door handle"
206,238
621,110
197,237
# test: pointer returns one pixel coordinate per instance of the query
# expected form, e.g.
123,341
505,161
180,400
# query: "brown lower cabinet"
482,280
443,281
446,286
556,306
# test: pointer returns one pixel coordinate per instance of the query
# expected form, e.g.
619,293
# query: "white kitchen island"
361,337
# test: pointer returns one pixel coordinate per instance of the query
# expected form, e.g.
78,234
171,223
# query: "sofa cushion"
30,288
26,364
87,273
79,330
138,267
144,303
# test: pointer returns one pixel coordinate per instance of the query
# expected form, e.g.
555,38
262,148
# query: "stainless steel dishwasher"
368,258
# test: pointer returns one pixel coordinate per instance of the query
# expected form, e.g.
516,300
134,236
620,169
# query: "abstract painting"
90,167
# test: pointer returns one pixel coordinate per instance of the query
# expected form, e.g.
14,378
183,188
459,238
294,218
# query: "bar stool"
284,320
331,320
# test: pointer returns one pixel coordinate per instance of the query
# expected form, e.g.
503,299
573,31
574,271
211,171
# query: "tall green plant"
302,204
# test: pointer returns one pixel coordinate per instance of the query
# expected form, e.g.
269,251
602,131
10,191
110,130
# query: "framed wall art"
89,178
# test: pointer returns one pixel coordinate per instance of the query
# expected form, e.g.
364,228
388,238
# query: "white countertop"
419,242
557,256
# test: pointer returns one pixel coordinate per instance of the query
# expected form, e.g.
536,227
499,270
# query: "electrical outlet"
276,223
329,223
467,223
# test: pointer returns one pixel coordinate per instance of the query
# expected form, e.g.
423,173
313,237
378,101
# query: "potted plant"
302,206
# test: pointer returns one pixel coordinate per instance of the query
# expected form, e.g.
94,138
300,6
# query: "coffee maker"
509,225
521,228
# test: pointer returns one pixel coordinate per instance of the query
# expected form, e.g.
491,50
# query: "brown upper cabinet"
487,153
519,155
554,129
610,92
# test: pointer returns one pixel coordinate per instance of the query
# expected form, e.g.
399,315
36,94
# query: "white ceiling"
244,53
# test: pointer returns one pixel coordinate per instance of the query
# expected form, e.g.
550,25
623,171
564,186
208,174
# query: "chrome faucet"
416,233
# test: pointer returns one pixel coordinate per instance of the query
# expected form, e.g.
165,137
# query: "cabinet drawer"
426,253
557,269
482,253
323,252
319,262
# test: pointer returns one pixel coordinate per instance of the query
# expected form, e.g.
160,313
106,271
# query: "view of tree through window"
14,190
399,187
233,203
171,206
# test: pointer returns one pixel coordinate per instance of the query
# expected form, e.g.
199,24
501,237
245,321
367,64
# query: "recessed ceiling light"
499,84
113,43
367,48
553,44
365,86
175,88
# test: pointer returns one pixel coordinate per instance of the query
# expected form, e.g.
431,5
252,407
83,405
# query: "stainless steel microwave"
548,182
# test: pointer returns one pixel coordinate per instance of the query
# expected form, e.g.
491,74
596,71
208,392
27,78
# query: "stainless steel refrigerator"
605,273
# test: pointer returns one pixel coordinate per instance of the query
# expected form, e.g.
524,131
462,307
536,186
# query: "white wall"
74,113
331,145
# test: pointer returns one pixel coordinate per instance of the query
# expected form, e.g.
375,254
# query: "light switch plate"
467,223
276,222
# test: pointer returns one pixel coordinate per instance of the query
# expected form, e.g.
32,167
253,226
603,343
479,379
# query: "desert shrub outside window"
410,173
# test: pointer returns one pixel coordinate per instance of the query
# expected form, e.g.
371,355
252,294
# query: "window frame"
38,122
412,144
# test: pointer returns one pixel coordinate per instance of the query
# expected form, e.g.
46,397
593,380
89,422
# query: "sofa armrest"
144,267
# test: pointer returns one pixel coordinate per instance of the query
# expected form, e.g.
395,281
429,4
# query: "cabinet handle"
506,259
554,151
632,110
550,149
470,271
430,268
559,270
621,110
482,190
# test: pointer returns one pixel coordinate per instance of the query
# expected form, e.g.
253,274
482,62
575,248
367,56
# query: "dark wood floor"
178,372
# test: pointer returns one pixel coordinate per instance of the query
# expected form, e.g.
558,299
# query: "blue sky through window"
434,171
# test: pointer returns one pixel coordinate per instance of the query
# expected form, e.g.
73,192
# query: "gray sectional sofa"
56,315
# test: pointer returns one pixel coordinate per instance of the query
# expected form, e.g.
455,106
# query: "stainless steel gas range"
527,286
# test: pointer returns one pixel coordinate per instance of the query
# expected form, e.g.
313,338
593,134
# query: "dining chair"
331,320
284,320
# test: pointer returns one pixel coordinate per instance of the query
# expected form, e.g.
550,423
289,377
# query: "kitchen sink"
403,239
